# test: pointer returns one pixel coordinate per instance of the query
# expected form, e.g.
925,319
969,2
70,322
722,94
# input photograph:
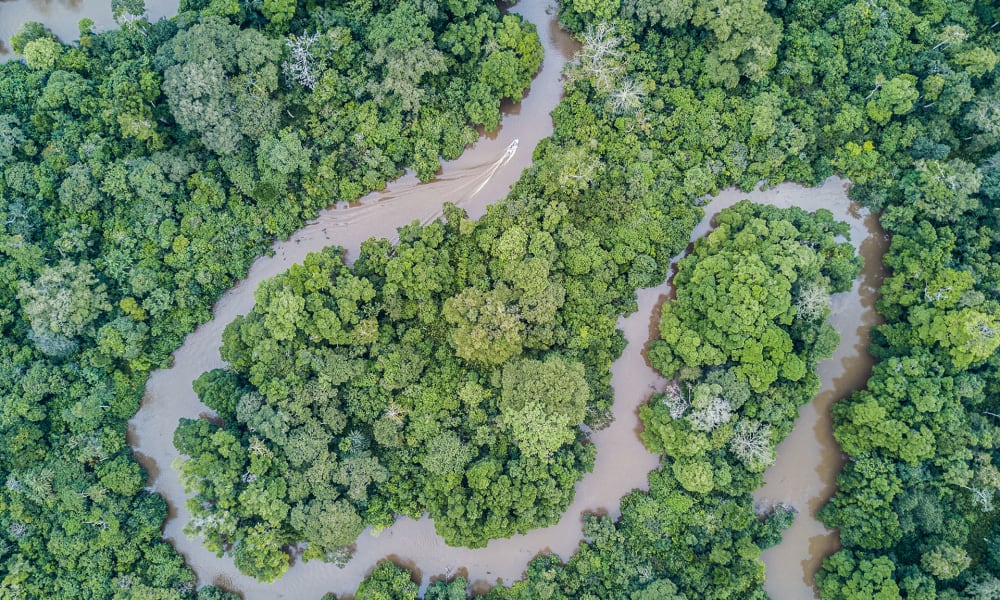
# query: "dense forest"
916,131
449,375
144,168
740,342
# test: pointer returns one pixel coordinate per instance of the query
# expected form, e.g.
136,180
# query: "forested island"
460,372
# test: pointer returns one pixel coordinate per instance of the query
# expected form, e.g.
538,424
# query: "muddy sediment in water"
62,17
481,176
808,460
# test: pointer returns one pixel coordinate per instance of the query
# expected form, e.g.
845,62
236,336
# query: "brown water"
62,16
482,175
808,460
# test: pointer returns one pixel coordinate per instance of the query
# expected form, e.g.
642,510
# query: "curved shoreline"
808,460
481,176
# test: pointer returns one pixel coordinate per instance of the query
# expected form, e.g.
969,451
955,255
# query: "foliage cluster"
916,131
421,374
141,170
695,534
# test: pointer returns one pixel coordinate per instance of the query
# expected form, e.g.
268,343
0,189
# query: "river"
808,460
62,16
804,475
481,176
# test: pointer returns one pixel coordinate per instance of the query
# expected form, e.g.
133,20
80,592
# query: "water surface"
62,17
808,460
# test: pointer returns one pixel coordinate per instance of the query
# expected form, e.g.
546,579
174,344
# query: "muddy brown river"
62,16
808,460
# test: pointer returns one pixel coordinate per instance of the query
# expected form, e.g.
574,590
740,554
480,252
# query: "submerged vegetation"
144,168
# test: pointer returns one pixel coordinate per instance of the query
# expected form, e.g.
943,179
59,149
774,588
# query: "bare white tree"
983,498
674,400
18,529
299,68
627,97
709,413
986,587
601,57
813,301
751,443
14,484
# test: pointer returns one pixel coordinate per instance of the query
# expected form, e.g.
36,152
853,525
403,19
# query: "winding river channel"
808,460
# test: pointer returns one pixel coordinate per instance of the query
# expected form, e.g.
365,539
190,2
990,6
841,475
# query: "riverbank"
62,17
481,176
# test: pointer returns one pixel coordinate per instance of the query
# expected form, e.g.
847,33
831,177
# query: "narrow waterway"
808,460
483,175
62,17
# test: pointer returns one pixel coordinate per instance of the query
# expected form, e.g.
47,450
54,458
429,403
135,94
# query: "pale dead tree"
248,477
709,413
751,443
983,498
627,97
299,68
674,400
601,57
17,529
359,441
984,492
938,294
813,301
14,484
